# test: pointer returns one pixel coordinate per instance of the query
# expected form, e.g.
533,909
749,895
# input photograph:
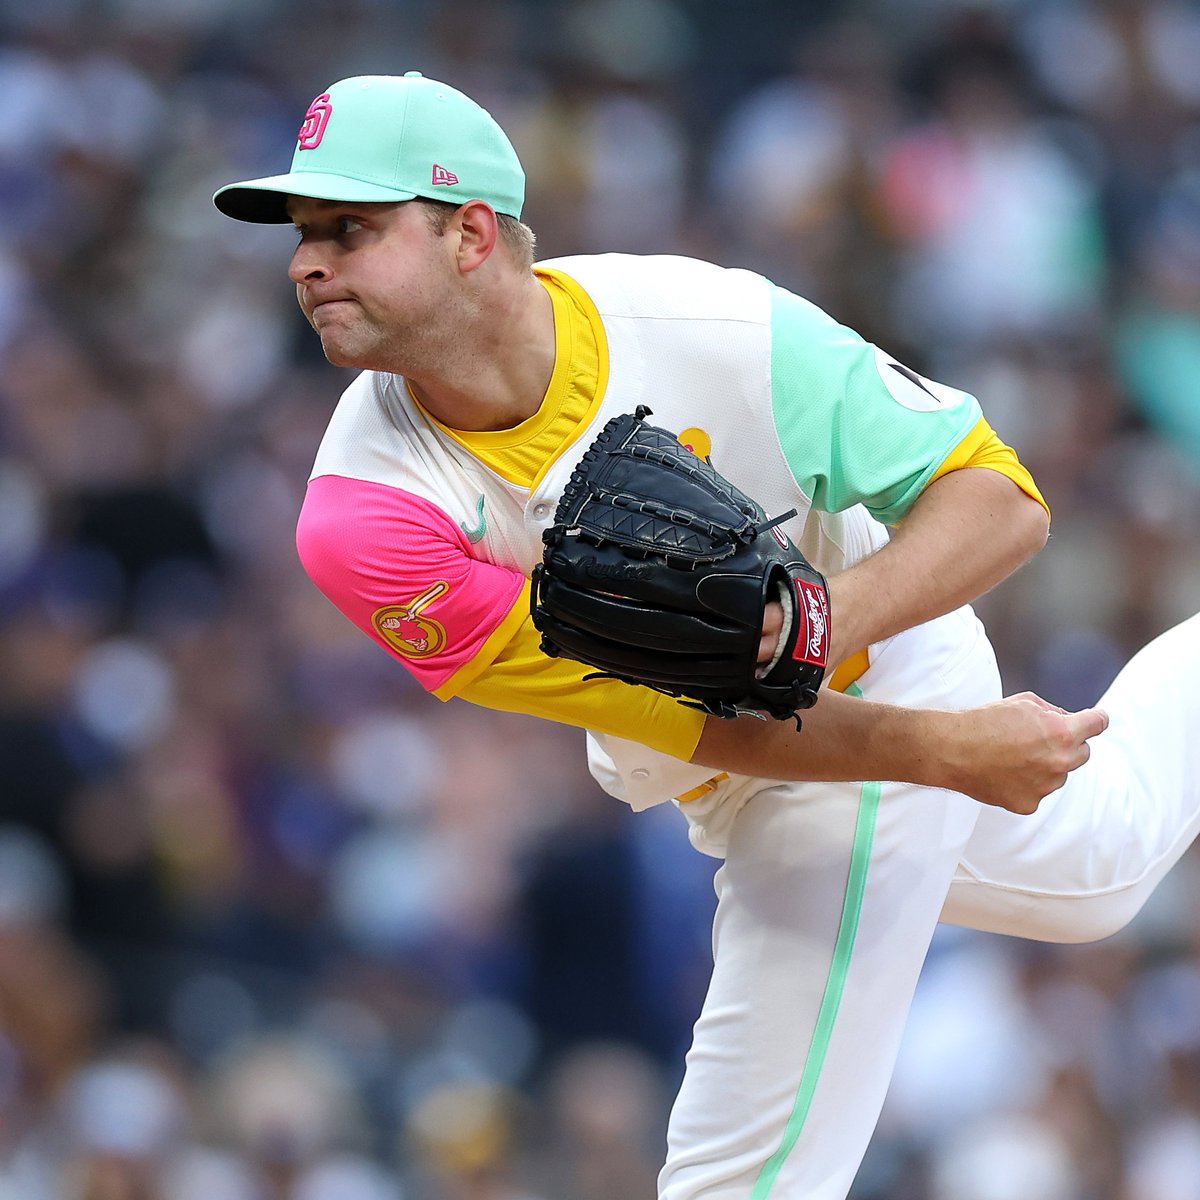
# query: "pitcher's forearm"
842,738
1010,754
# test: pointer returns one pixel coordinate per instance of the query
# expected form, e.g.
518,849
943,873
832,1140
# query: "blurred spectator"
607,1101
1125,66
1157,336
605,147
997,228
792,173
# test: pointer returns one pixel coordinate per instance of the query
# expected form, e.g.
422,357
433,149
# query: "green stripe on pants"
856,883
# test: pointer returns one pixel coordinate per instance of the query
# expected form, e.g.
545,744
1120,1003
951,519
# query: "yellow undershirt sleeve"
982,448
512,674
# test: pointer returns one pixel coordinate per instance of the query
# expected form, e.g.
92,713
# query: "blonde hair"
520,240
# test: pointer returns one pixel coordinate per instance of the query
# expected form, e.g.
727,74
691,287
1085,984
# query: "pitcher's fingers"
1088,722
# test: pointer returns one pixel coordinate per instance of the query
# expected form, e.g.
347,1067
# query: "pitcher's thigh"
828,898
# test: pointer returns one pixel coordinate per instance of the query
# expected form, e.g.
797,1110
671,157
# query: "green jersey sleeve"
855,425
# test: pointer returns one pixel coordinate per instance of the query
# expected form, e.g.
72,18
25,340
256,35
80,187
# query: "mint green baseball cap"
383,138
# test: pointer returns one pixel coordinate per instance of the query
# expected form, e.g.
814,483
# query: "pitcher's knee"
1088,919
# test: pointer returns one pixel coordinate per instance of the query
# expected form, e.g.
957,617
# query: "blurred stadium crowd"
274,925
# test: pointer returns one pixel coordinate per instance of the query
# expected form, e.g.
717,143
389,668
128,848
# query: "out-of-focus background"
274,925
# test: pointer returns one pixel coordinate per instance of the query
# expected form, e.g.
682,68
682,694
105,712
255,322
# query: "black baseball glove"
658,571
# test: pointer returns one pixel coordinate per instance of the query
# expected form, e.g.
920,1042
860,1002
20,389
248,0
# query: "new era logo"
441,175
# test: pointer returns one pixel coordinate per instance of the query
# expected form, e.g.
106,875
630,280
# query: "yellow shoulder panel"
982,448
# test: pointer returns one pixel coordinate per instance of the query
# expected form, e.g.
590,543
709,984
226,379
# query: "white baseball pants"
829,895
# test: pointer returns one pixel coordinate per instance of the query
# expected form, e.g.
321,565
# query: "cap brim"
264,201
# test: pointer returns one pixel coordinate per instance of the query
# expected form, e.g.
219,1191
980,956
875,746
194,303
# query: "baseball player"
484,377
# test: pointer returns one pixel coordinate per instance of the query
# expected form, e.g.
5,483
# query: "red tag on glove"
812,623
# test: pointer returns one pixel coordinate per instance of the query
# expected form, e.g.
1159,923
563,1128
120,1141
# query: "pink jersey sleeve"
401,570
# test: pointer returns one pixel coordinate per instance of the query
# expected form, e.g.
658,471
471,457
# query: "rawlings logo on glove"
658,572
813,612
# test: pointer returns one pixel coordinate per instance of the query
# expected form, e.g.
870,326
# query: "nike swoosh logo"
475,533
915,379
